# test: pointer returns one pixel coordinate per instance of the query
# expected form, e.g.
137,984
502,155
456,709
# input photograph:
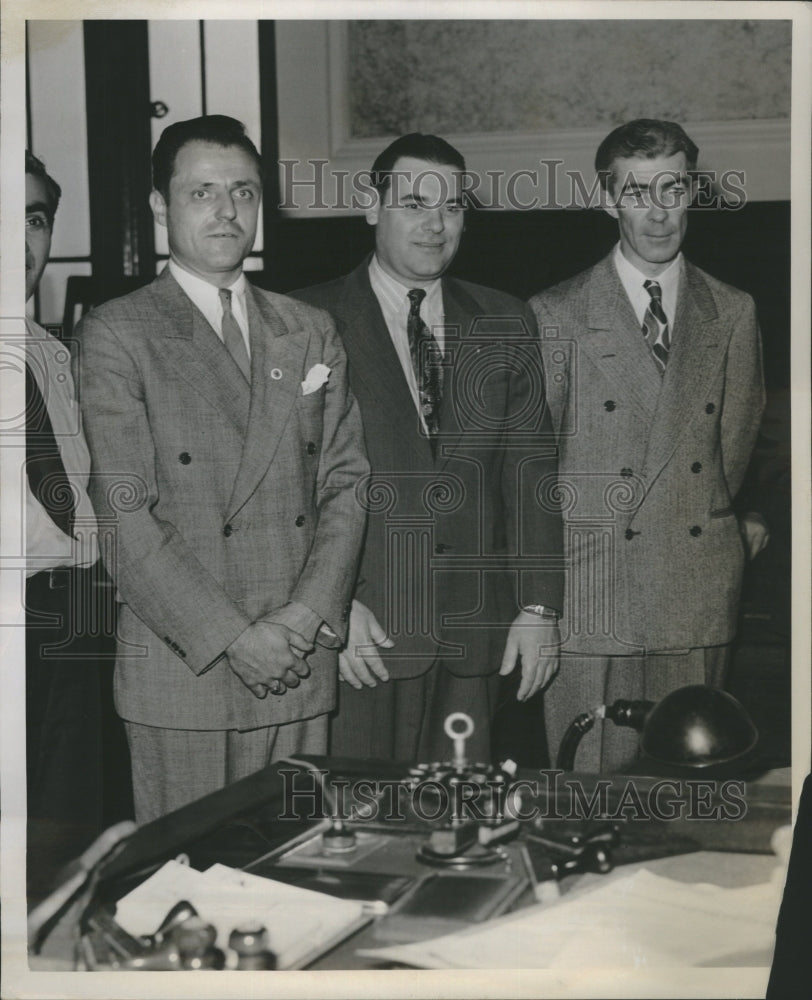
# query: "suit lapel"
278,352
199,355
614,340
459,310
697,343
375,361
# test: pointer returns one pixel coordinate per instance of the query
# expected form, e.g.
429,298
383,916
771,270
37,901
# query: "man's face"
419,221
37,232
211,215
650,199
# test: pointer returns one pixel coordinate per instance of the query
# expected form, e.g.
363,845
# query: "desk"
240,826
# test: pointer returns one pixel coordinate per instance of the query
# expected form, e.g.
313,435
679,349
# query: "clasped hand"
269,656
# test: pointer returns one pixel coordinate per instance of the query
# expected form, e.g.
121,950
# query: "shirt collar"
201,292
632,279
396,293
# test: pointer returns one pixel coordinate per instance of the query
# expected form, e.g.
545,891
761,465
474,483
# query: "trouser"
404,719
172,767
584,682
70,641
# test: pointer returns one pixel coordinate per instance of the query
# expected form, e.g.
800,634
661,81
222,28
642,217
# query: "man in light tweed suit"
226,449
656,390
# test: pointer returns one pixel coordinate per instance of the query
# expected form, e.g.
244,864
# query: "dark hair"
53,192
431,148
643,137
217,129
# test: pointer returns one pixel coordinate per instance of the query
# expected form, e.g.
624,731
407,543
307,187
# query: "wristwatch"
542,611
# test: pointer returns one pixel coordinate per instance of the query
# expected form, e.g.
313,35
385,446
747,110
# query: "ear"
158,206
607,200
372,214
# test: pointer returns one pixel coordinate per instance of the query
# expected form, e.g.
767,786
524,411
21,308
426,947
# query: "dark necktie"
427,362
46,473
232,336
655,326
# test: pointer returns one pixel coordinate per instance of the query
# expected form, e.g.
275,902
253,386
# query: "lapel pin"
276,373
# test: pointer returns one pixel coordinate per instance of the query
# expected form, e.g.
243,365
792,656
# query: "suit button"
609,405
710,408
696,467
696,531
626,473
228,531
311,448
300,520
184,458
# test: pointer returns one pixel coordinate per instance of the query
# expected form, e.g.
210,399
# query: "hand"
360,662
755,532
536,641
264,654
301,621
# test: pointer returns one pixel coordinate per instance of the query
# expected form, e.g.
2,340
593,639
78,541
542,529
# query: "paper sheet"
631,922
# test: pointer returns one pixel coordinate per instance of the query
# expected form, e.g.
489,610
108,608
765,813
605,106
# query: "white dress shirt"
207,299
393,297
632,280
46,545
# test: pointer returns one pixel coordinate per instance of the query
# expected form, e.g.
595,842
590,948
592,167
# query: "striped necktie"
427,362
232,335
655,326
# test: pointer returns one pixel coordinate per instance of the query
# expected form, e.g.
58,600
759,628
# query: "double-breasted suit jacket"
222,501
650,465
456,541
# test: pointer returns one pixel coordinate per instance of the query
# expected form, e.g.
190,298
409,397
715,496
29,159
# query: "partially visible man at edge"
69,626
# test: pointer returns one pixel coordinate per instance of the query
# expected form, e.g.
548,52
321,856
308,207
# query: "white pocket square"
315,379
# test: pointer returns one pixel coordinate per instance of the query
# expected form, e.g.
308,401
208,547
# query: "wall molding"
314,120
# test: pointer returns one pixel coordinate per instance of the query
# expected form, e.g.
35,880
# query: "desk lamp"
694,727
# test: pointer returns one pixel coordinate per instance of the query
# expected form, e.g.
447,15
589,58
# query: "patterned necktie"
46,473
232,336
427,362
655,326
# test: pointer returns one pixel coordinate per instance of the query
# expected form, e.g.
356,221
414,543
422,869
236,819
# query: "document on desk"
301,924
640,920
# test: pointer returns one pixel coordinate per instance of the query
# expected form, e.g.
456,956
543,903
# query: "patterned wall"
532,76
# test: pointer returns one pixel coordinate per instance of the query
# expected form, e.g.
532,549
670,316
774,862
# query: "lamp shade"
698,726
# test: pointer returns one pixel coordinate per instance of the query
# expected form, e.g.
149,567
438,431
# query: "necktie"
232,336
427,362
655,326
46,474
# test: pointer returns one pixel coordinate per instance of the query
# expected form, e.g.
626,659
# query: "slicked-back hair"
53,192
419,146
646,138
217,129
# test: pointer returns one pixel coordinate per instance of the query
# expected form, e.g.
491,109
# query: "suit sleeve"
155,570
325,584
529,474
744,400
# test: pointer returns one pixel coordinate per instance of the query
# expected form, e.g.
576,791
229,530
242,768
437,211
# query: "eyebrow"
236,184
457,200
37,206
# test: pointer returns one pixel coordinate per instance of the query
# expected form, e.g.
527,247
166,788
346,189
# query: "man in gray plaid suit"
226,449
655,386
